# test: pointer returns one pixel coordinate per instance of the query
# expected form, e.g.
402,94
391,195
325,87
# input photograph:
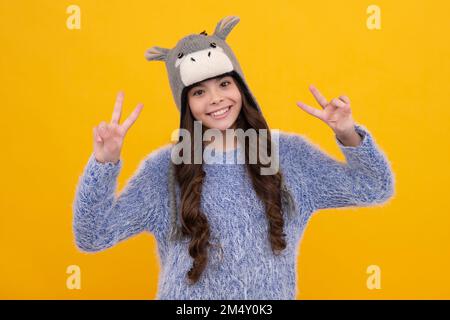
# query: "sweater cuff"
367,153
365,137
97,171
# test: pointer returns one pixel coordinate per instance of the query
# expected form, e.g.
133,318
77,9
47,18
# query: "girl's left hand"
336,113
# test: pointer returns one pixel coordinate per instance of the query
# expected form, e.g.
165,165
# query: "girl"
224,231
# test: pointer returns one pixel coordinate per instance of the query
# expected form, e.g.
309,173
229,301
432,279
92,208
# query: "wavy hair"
189,177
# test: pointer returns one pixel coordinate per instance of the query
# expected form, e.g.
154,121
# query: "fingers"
338,103
103,130
97,137
312,111
318,96
341,102
132,118
117,108
345,99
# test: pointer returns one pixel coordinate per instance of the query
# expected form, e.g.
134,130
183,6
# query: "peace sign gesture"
336,113
108,137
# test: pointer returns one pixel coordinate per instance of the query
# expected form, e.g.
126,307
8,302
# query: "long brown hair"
189,176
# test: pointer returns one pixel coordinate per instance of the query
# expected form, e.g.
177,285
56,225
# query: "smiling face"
216,102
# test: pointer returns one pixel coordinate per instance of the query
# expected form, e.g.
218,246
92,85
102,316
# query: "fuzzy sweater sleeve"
365,179
101,219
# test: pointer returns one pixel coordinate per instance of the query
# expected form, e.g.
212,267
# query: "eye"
200,90
213,44
180,55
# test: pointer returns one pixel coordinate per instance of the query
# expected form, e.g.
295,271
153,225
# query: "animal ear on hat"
156,53
225,26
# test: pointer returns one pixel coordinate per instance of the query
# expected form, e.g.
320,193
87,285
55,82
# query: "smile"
220,114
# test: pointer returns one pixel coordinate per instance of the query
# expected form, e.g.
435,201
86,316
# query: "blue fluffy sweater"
246,267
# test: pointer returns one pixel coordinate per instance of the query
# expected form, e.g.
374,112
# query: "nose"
216,97
217,100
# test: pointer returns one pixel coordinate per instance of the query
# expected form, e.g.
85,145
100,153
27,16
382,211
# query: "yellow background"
57,84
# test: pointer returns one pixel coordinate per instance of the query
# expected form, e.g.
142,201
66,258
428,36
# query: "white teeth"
220,112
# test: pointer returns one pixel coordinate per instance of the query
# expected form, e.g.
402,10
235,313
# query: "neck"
221,145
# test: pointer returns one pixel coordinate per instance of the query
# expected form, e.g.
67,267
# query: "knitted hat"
199,57
196,58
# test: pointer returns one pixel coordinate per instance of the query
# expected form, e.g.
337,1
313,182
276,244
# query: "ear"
156,53
225,26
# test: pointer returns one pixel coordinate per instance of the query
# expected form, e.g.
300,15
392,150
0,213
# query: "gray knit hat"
195,58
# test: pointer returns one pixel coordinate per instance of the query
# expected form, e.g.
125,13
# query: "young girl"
224,231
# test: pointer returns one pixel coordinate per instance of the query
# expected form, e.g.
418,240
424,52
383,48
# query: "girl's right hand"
108,137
